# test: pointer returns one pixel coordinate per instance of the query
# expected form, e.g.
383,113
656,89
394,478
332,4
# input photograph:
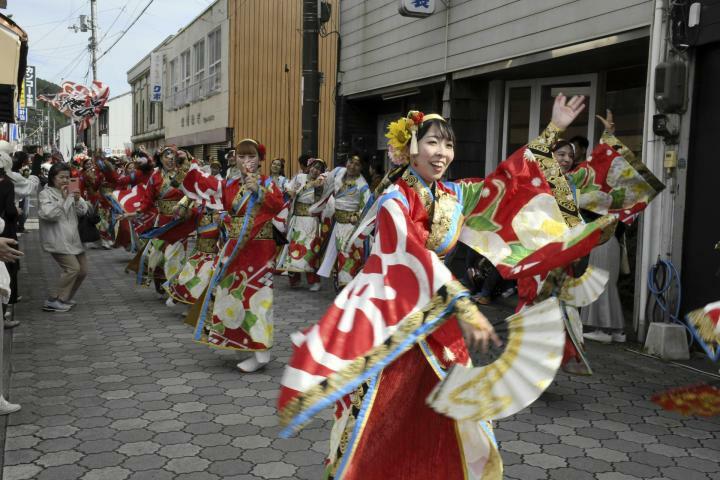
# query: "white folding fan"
531,357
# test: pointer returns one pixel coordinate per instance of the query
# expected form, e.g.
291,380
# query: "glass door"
528,108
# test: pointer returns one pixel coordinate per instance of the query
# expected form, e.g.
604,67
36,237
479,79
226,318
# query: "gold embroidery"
444,208
236,225
540,152
346,216
166,207
206,245
302,209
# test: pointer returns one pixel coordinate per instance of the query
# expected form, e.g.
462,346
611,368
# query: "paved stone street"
117,390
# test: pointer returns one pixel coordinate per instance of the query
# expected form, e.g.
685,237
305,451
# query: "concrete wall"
65,141
119,123
380,48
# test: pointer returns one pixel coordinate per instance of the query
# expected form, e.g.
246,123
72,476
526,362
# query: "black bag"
86,226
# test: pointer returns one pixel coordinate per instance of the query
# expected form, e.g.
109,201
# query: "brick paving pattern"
117,389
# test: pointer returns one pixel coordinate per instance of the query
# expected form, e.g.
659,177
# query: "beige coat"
59,222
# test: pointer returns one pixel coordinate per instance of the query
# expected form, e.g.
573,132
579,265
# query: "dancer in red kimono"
396,328
236,312
161,259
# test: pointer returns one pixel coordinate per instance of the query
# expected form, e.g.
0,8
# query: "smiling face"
354,166
565,157
276,167
435,154
167,159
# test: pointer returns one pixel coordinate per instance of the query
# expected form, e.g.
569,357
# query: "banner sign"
22,114
79,102
156,77
30,86
416,8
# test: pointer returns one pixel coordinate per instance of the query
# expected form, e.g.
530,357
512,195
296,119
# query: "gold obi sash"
265,232
302,209
346,216
166,207
206,245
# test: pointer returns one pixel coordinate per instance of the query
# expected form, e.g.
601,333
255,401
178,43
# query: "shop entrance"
528,107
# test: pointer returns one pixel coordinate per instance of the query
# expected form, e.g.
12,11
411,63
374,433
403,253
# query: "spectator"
58,211
9,217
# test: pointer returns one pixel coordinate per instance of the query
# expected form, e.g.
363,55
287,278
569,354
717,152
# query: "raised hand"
565,111
608,122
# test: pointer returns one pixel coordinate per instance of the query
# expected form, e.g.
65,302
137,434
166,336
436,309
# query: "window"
199,85
185,69
199,57
174,84
214,60
151,112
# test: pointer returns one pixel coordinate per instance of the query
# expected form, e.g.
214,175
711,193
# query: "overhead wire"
126,29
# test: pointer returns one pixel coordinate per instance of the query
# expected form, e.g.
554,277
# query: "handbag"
87,229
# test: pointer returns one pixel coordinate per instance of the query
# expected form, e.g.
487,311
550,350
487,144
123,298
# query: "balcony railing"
205,87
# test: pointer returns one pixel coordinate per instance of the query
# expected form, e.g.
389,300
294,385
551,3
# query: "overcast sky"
61,54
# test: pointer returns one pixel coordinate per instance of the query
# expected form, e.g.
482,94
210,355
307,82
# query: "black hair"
446,130
55,170
303,159
35,166
19,158
562,143
580,140
282,165
79,148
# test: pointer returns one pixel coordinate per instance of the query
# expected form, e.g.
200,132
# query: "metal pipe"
310,78
650,231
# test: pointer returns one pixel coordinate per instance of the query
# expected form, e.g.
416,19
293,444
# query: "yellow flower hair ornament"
405,130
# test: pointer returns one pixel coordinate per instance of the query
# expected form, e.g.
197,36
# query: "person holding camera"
60,206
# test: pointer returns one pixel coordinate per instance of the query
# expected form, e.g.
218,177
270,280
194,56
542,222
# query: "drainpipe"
652,237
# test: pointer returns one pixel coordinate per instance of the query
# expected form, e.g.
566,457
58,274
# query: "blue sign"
22,114
156,95
416,8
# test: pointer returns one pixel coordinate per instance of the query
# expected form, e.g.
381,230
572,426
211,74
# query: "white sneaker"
315,287
7,407
170,303
254,363
619,337
598,336
55,305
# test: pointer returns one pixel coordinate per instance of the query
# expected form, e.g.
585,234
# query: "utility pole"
311,77
93,37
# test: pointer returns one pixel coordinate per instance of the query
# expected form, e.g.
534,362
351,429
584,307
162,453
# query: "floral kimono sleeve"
402,294
613,181
523,217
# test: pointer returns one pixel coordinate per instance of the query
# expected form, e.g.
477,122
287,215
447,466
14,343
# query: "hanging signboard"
155,77
416,8
30,86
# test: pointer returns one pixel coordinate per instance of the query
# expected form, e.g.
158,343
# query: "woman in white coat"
59,210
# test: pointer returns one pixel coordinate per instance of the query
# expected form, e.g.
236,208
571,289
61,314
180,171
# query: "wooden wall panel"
265,102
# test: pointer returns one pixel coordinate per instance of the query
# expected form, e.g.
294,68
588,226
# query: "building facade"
115,124
493,68
266,77
195,82
147,115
